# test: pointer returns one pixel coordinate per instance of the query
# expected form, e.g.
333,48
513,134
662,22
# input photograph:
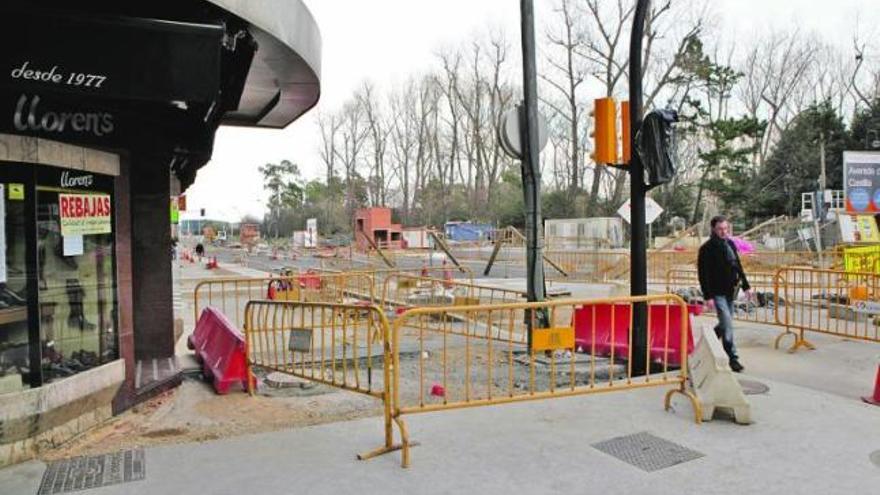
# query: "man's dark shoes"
736,366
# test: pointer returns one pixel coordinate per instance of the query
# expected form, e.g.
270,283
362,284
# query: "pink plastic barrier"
221,349
593,329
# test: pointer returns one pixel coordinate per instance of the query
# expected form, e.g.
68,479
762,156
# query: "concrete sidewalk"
802,442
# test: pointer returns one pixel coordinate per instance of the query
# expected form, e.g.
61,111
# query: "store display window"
58,305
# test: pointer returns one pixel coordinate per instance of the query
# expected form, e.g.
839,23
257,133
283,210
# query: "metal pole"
638,244
531,170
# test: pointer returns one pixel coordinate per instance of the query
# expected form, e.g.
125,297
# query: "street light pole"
531,170
638,190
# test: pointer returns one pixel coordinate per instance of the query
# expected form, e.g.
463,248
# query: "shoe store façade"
107,110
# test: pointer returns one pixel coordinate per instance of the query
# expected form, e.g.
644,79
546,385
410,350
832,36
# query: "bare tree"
353,133
565,43
329,124
377,140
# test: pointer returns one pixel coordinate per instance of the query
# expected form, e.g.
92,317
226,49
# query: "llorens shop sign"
85,214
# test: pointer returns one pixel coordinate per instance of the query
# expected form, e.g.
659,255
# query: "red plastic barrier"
309,281
221,349
603,337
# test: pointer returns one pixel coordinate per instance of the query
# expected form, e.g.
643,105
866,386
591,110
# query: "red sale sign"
85,214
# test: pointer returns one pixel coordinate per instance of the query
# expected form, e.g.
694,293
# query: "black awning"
114,57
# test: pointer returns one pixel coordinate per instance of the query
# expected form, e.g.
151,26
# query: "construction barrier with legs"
340,345
455,368
230,295
759,308
434,359
833,302
403,290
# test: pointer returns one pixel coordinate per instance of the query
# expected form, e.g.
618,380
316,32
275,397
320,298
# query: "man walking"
720,273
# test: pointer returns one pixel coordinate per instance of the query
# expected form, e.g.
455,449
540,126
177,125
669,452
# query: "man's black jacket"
719,273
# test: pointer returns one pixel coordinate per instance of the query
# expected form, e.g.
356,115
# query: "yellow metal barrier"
834,302
381,274
407,290
339,345
416,365
230,295
760,308
588,266
456,368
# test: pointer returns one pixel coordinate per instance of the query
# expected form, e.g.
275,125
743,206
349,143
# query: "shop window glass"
14,347
77,292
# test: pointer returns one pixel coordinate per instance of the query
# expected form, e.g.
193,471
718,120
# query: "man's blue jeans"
724,329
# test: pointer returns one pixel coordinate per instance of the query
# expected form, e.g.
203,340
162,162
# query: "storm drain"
751,387
83,473
647,452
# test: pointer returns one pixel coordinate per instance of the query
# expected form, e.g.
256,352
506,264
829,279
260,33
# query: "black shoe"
735,366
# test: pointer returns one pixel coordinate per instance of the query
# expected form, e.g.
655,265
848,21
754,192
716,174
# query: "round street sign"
509,133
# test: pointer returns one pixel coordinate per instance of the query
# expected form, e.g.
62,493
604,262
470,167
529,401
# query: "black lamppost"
638,190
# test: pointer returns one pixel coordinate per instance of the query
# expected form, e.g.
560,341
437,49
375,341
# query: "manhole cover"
875,457
751,387
82,473
647,452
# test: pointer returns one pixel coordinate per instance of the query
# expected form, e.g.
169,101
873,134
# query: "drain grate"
751,387
647,452
82,473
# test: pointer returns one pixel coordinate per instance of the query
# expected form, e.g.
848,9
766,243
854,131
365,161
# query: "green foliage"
282,180
725,167
793,166
865,128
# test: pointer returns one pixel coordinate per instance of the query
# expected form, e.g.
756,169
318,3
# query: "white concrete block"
714,382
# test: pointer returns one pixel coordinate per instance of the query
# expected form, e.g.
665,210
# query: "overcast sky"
385,41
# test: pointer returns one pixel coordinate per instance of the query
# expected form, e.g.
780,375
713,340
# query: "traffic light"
605,131
625,135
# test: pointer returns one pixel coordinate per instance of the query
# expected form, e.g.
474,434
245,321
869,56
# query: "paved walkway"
803,442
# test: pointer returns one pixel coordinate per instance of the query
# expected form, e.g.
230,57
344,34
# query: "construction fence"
433,359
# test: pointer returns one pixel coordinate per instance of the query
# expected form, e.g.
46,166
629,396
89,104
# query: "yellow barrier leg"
391,447
799,342
695,402
783,334
404,440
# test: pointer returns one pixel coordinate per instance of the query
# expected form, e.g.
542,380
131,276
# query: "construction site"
358,339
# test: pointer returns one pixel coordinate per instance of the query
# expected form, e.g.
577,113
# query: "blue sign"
859,199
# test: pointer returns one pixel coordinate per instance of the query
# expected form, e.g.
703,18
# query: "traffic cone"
447,276
875,399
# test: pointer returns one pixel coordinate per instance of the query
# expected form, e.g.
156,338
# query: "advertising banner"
858,228
85,214
861,179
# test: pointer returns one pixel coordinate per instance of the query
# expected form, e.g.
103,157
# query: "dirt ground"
194,413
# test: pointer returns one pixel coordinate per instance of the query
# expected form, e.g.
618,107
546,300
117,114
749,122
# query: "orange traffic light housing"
605,130
625,135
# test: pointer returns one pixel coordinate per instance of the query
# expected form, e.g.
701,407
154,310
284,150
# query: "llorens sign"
30,116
